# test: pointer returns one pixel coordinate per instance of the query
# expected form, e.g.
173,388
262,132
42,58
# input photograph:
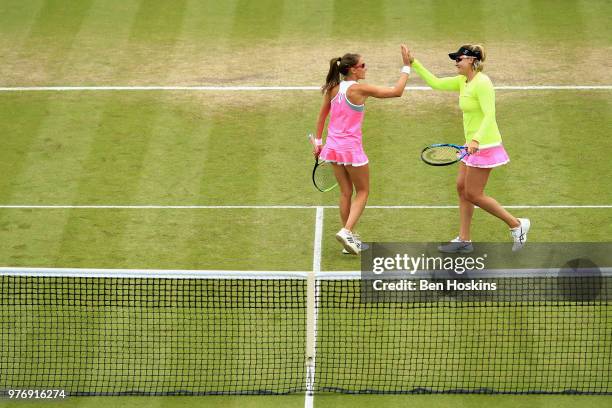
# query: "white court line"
277,88
312,315
318,239
274,207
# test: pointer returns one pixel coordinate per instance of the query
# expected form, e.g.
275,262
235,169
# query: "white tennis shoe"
361,245
519,234
457,246
348,241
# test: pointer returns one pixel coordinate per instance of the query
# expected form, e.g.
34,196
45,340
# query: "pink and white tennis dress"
343,144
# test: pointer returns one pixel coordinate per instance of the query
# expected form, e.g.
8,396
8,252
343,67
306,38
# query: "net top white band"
274,275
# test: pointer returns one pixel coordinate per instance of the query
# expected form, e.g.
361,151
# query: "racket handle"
314,141
311,139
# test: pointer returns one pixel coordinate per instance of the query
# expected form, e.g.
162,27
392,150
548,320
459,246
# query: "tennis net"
198,333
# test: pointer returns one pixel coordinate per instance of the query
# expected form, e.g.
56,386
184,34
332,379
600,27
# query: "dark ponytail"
339,66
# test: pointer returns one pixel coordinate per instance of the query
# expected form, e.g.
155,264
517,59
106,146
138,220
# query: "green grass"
243,21
330,400
145,42
157,239
188,148
226,401
155,148
463,401
440,225
167,148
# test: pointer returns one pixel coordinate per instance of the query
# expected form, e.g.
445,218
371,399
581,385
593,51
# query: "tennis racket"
322,173
443,154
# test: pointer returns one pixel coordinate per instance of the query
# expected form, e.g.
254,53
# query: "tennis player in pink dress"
344,102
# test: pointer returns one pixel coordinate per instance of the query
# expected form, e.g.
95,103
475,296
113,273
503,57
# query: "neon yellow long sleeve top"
476,100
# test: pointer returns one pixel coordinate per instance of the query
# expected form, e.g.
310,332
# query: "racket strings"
441,154
324,177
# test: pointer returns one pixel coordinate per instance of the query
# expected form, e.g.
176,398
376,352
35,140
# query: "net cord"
272,275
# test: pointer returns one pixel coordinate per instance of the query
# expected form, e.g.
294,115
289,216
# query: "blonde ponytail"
478,64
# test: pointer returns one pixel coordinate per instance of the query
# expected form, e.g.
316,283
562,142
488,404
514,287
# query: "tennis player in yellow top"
483,141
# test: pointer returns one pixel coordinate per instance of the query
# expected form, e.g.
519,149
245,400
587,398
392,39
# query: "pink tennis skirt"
353,158
486,158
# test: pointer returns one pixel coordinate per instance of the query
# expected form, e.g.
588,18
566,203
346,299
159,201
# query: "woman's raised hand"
407,55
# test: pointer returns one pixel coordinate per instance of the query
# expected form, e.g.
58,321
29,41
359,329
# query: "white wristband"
318,142
406,69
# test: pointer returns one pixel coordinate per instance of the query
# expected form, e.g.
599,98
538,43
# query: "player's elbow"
394,93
